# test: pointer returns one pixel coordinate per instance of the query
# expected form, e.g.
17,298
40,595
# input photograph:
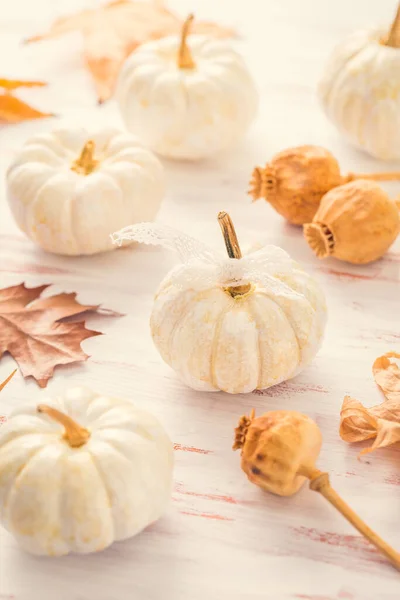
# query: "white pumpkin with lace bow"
187,100
69,189
81,472
235,325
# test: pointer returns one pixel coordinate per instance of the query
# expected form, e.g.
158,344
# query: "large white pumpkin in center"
239,338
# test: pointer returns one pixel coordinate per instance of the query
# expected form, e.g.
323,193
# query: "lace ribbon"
203,267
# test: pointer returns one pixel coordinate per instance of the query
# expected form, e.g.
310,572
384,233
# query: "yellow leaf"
13,110
13,84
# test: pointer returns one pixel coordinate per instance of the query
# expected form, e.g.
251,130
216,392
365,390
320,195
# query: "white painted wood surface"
222,537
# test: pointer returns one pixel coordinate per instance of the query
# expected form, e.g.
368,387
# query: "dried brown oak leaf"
14,110
32,330
381,422
112,31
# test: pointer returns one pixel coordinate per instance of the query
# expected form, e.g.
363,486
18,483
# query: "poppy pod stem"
319,482
383,176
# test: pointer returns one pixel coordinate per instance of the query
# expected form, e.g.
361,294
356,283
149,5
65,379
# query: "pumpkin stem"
86,163
185,58
74,434
233,249
394,34
319,482
242,429
4,383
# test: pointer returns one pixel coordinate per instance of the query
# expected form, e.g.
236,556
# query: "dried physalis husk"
296,179
356,222
279,451
381,422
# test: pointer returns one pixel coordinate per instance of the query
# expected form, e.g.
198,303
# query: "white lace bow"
204,267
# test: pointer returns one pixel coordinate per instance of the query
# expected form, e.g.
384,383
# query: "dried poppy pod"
279,451
297,178
356,222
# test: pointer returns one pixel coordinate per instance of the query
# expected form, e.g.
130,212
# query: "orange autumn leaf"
382,422
32,330
112,31
14,110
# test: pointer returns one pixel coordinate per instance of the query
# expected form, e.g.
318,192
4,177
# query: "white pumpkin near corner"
360,90
187,99
234,324
69,189
81,472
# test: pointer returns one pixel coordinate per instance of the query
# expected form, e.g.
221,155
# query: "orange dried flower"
296,179
356,222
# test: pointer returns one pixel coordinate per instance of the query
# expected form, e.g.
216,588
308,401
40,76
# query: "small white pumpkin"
360,90
233,325
82,472
187,103
68,189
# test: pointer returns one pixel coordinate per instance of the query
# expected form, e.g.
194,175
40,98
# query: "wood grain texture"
222,538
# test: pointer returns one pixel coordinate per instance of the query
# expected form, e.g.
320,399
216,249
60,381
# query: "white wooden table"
222,537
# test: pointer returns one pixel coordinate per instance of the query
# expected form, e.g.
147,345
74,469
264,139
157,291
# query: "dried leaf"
356,423
387,375
381,422
13,110
388,433
112,31
31,330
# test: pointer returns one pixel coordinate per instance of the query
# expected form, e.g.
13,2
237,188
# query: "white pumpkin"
234,325
82,472
68,189
187,103
360,90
